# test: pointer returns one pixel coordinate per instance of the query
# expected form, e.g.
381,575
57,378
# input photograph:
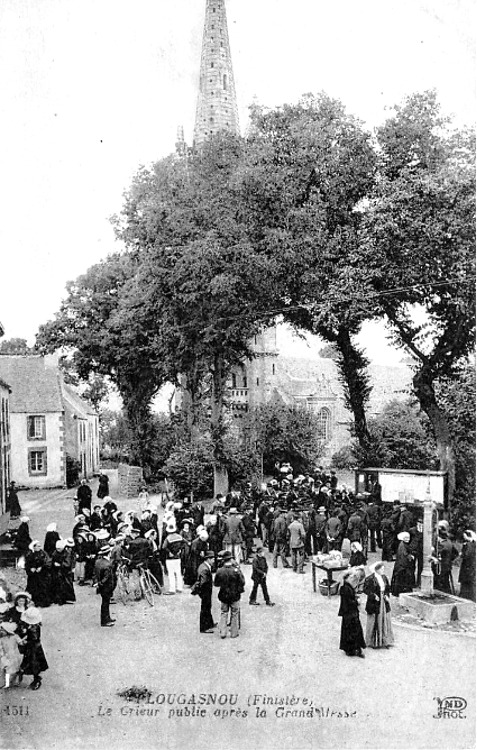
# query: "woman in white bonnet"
379,632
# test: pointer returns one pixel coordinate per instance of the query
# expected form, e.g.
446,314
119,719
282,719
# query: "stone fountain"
433,606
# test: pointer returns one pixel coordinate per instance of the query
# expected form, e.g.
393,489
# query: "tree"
191,469
114,434
203,285
456,397
15,346
307,167
285,433
418,245
104,340
401,438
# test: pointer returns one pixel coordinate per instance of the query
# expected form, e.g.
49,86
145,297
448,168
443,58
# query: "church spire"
217,102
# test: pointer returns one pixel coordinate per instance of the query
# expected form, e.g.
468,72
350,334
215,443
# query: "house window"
324,424
225,82
273,369
258,381
37,461
36,428
234,380
82,432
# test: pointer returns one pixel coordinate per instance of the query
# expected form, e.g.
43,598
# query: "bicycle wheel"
123,586
146,588
155,585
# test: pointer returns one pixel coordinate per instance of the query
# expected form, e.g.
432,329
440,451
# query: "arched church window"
324,424
234,380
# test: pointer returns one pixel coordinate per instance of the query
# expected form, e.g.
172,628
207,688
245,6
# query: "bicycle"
123,586
148,583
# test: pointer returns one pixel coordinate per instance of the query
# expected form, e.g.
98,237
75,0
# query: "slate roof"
35,387
81,407
319,378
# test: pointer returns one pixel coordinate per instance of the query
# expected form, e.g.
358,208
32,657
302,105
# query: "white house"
48,422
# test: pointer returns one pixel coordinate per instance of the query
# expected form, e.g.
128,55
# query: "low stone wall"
130,480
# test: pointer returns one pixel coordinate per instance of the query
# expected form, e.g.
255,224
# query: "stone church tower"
216,102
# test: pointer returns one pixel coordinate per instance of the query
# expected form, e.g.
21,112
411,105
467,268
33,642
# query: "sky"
92,89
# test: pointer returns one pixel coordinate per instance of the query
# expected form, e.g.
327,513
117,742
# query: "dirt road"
282,684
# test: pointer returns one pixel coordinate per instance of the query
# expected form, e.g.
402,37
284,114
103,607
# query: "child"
259,578
10,656
34,660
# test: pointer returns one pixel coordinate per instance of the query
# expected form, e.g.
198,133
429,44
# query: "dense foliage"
309,218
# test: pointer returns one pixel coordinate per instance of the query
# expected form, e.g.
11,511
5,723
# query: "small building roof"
81,407
35,385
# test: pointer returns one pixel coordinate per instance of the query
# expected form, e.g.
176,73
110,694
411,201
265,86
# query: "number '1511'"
16,710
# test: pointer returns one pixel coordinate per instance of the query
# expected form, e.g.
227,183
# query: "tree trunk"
138,414
424,389
352,364
221,482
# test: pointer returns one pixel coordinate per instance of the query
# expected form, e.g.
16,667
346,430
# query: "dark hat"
227,555
210,555
259,549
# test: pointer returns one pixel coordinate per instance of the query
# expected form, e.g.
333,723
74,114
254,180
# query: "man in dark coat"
106,579
355,524
416,546
248,530
447,554
467,567
203,588
405,520
333,532
13,504
388,536
281,533
373,513
259,578
197,513
231,583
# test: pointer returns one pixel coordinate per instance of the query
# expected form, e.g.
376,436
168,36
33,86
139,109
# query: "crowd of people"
293,518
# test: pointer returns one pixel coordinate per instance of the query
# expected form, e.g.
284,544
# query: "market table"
328,567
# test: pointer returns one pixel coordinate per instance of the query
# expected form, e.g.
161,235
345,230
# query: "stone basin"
439,608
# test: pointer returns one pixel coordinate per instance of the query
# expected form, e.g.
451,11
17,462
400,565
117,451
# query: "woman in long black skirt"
37,568
352,638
